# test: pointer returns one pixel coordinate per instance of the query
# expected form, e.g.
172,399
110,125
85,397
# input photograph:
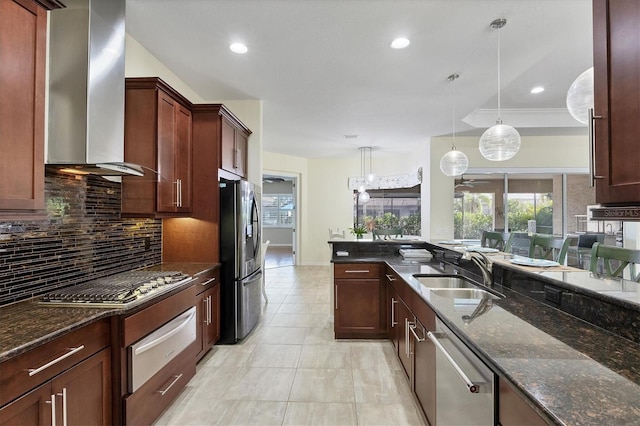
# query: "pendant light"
363,196
500,142
580,96
454,162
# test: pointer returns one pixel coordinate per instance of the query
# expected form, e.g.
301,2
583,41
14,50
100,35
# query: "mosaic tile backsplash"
83,238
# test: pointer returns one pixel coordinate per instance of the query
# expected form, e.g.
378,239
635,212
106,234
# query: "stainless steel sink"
463,293
445,281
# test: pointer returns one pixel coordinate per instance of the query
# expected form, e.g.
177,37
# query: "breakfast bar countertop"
572,372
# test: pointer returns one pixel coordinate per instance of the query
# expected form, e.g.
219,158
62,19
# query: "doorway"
279,219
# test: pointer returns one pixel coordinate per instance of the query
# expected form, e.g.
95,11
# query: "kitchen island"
569,370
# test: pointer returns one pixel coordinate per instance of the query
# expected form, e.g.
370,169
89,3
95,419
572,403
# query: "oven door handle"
165,336
473,388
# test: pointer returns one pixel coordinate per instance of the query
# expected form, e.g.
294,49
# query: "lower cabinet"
424,371
359,302
79,396
208,308
514,410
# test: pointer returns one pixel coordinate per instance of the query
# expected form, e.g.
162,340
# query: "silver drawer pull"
176,378
473,388
390,277
357,271
393,312
34,371
208,281
53,409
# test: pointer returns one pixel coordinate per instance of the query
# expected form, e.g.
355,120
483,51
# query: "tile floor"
291,371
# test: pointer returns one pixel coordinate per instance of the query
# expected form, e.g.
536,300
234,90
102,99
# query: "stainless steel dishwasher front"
464,384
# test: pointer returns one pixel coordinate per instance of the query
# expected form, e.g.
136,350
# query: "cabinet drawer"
356,270
207,280
19,375
145,405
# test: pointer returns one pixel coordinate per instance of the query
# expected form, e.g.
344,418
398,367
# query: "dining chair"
492,239
518,243
545,246
265,246
622,257
336,235
385,234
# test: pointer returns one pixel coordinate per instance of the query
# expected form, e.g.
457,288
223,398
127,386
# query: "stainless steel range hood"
86,88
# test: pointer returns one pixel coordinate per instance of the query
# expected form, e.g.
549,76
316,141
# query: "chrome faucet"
484,306
483,263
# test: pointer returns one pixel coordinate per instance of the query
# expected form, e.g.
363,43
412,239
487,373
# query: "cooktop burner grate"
117,290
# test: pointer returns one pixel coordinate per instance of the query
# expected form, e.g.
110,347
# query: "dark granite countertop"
573,372
28,324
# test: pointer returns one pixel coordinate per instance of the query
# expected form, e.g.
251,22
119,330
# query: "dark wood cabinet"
208,312
424,373
513,410
359,302
63,379
23,32
157,137
616,58
233,147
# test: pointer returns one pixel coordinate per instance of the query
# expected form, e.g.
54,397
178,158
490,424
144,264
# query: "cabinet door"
616,56
357,307
404,343
392,305
23,26
241,145
424,374
34,408
183,158
513,410
213,330
166,139
228,147
208,319
84,392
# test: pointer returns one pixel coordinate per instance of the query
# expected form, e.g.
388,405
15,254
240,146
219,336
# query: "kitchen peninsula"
568,370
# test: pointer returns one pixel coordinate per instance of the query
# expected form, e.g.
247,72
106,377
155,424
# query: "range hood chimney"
86,88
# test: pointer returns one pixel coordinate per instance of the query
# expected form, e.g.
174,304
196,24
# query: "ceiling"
324,69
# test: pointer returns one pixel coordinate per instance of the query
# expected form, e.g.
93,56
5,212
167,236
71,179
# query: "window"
472,214
277,211
390,209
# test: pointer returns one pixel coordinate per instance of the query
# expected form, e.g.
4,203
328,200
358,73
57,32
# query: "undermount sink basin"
463,293
445,281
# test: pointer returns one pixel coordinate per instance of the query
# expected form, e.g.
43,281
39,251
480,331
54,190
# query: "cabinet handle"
176,378
390,277
209,310
34,371
412,328
208,281
473,388
393,312
357,271
406,337
64,406
53,409
336,297
204,303
592,149
179,192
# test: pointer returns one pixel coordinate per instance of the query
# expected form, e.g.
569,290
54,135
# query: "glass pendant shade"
580,96
364,197
454,163
361,189
500,142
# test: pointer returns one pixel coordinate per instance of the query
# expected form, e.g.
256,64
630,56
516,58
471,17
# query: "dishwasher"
464,384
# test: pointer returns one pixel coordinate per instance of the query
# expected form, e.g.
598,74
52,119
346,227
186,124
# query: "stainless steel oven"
464,384
148,355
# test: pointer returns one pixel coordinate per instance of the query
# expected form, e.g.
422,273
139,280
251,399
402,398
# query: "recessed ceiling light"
400,43
538,89
238,48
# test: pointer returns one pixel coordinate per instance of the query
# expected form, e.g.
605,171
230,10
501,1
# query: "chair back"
492,239
518,243
385,234
622,257
336,235
545,246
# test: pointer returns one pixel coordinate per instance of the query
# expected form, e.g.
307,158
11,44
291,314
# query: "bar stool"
492,239
544,246
623,256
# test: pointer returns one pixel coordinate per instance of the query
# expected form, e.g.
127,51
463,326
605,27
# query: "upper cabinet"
234,143
158,137
23,32
616,58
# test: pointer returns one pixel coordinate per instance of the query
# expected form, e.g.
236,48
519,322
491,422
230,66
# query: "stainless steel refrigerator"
241,258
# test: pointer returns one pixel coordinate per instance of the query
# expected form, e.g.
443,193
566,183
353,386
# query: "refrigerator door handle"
254,276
